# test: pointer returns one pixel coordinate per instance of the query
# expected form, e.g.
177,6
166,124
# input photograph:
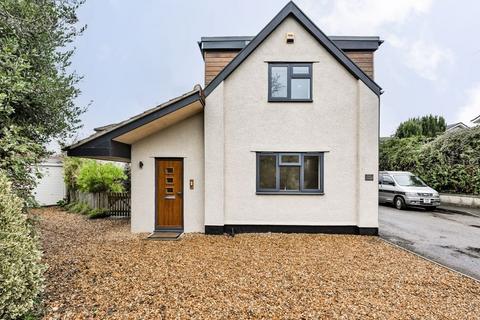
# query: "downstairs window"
289,173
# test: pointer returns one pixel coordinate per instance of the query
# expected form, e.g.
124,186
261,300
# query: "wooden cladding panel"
363,59
215,61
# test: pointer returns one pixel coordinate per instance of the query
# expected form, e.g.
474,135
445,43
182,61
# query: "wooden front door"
169,189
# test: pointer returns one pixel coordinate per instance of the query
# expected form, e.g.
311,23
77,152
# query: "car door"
381,196
388,187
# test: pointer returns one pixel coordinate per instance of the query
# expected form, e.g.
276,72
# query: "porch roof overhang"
114,141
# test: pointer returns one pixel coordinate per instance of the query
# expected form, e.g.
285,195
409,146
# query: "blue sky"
137,54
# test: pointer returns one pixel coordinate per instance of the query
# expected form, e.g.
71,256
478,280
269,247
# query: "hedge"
448,163
21,270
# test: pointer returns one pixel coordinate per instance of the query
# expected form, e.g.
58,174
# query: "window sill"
313,193
287,100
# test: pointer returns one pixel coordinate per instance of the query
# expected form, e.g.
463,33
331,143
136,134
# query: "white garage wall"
50,188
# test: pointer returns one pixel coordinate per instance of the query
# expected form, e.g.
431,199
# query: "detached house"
283,138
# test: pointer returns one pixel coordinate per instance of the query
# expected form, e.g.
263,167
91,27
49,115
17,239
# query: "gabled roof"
107,144
291,10
458,125
476,119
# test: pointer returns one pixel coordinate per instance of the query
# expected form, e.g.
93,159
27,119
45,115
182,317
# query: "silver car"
404,189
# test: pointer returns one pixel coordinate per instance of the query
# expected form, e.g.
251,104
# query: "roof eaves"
197,91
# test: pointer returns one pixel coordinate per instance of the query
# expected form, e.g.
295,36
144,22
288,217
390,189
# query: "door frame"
156,228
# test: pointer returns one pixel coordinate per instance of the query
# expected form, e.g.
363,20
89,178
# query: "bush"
98,214
62,203
71,169
98,177
400,154
69,207
79,207
20,269
449,163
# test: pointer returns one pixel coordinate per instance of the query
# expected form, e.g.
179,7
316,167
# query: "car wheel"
430,208
399,203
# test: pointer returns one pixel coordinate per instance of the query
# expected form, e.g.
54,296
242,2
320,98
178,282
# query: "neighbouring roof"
102,144
291,10
350,43
476,119
458,125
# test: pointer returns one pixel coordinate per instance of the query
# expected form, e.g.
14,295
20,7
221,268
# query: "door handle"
180,193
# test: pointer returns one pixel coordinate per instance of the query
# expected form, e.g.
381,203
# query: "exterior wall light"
290,37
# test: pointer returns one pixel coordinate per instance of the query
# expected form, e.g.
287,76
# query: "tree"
37,89
427,126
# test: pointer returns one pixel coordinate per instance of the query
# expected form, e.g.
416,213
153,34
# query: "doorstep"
165,235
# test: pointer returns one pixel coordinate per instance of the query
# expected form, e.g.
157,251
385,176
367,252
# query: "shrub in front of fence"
116,204
84,209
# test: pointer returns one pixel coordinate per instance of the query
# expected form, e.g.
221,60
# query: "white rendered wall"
342,121
184,140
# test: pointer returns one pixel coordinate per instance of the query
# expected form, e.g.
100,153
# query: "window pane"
300,70
310,172
267,172
279,82
300,88
290,178
291,158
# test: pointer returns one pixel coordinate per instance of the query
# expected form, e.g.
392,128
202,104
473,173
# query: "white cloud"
373,17
359,17
424,57
471,109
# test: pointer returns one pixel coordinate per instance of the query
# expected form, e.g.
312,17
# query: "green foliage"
98,214
18,157
400,154
426,126
71,168
448,163
20,269
79,207
69,206
98,177
37,86
85,209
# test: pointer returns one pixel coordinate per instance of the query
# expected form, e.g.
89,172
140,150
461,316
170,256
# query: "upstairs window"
291,173
290,82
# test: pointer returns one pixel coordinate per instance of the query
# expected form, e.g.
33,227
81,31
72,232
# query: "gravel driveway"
97,269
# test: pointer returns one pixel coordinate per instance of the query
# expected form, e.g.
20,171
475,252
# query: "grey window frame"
290,76
302,191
